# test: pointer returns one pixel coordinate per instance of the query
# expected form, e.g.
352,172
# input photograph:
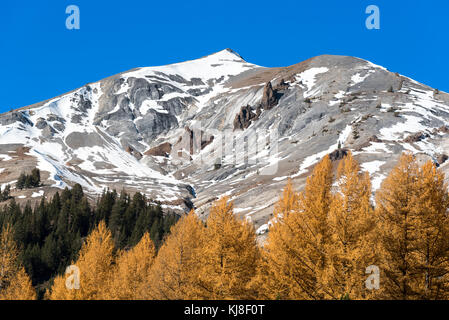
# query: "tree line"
319,245
27,181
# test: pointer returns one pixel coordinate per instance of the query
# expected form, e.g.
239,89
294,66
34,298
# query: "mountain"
188,133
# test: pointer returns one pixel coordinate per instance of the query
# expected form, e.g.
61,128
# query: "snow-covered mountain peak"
128,130
224,63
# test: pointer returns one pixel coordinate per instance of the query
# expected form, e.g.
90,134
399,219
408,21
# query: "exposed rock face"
162,150
270,98
53,117
443,129
186,141
282,85
84,104
13,117
206,140
41,123
374,138
76,140
416,137
241,130
244,118
48,132
59,126
441,158
338,154
133,152
130,114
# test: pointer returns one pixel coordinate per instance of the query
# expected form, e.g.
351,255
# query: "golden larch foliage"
351,227
394,208
288,202
229,255
20,288
175,272
413,230
8,257
15,284
130,280
95,266
432,227
294,257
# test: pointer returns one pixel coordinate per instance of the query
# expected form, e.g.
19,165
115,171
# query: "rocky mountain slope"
187,133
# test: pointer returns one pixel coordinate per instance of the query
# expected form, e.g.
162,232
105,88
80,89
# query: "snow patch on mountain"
308,78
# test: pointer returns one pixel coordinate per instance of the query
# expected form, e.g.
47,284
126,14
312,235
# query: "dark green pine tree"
42,216
142,225
116,220
62,222
35,178
155,232
53,211
77,193
31,258
5,195
20,184
104,207
50,255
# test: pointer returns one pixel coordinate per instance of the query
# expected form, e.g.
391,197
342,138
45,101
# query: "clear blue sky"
41,59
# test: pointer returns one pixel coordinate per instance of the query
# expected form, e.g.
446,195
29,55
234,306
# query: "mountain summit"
187,133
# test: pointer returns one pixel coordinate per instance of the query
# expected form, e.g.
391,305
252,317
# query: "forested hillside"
50,235
323,243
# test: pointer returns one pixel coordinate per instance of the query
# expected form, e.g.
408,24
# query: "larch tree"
15,284
294,257
268,278
432,226
229,255
351,227
414,228
131,276
8,257
175,272
95,269
432,251
287,203
20,288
